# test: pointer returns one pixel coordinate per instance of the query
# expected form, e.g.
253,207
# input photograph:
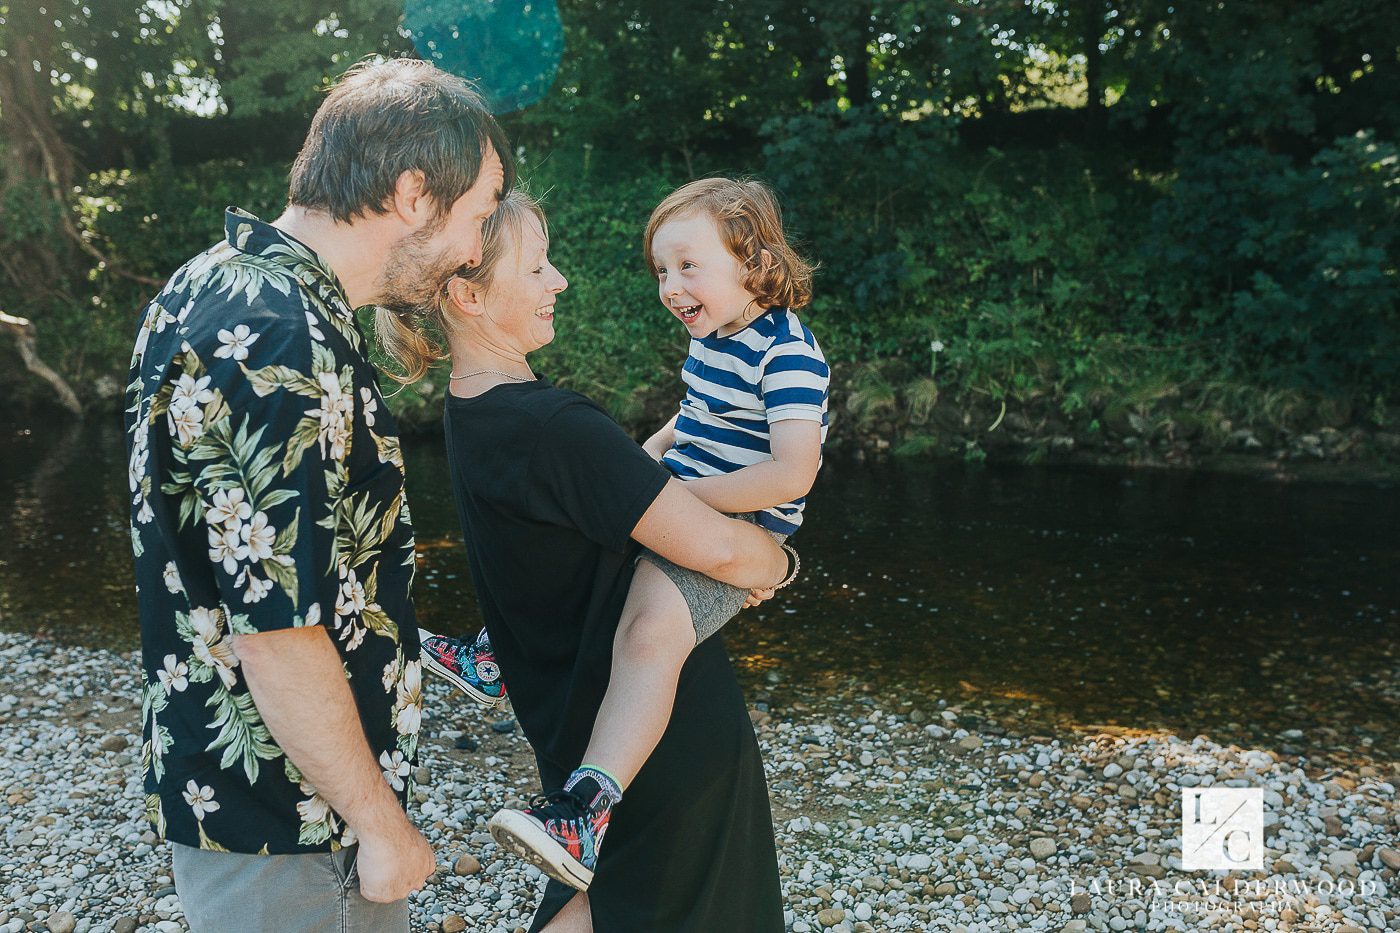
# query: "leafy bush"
1293,271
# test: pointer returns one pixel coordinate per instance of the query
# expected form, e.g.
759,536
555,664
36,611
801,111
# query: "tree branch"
23,332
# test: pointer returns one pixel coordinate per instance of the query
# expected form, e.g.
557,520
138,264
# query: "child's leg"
654,637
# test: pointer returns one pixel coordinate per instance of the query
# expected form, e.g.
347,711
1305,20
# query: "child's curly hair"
750,221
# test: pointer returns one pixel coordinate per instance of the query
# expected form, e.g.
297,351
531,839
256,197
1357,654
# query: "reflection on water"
1040,599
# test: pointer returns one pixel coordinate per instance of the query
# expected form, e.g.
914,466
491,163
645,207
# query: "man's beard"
414,272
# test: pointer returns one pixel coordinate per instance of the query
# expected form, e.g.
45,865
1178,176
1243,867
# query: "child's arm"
797,453
661,441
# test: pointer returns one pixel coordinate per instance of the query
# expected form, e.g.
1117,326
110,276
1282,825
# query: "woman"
554,501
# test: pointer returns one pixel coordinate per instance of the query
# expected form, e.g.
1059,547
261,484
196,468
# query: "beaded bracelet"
794,561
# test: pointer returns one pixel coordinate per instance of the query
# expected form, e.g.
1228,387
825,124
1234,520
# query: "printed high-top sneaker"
470,668
560,834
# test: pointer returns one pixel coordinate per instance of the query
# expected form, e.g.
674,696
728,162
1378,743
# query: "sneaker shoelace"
453,651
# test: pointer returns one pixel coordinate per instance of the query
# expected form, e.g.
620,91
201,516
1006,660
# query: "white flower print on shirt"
186,417
136,468
188,424
368,406
334,414
396,768
173,583
257,588
163,318
210,646
229,506
200,799
350,602
226,547
259,536
234,343
191,392
174,675
408,710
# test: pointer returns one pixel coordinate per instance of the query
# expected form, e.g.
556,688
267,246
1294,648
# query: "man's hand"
298,685
756,597
393,867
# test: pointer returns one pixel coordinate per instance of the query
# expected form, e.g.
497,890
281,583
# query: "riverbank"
887,818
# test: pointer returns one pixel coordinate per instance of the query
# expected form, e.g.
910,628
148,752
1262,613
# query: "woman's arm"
684,530
661,441
797,453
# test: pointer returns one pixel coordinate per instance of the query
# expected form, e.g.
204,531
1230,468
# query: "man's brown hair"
750,222
387,117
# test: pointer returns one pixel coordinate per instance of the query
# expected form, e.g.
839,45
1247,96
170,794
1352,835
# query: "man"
274,550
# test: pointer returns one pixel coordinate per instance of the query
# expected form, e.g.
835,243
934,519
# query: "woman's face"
519,302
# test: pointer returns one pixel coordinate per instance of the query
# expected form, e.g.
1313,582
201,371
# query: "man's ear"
464,297
410,201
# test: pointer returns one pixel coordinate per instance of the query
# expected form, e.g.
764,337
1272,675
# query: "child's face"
700,280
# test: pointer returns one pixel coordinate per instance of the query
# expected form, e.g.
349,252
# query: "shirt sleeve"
587,474
794,382
263,448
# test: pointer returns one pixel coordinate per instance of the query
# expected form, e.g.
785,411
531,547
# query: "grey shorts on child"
711,602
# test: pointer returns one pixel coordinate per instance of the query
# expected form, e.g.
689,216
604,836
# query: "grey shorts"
711,602
228,892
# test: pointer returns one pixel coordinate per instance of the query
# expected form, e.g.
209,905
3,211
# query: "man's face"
422,261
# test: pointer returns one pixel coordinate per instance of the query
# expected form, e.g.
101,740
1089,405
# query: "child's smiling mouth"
688,313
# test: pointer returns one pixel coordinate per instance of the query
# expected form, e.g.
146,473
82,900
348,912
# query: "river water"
1034,599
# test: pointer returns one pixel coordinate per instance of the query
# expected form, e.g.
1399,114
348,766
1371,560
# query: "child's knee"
651,635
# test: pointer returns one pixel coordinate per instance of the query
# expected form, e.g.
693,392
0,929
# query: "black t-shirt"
549,489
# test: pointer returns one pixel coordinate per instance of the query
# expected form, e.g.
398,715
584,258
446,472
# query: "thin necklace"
493,372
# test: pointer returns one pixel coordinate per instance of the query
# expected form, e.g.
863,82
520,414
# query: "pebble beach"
888,817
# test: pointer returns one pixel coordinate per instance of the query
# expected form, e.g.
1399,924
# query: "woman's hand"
756,597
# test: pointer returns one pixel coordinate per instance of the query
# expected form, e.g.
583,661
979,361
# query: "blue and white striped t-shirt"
737,386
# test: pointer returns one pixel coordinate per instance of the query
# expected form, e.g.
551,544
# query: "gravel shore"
885,820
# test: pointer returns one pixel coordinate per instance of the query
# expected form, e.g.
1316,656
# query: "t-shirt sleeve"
794,382
587,474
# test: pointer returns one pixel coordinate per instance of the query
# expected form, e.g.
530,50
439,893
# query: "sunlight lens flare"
510,48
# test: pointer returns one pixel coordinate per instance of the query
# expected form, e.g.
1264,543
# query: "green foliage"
1293,270
1153,217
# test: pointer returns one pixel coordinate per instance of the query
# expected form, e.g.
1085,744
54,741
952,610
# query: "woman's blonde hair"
415,340
750,221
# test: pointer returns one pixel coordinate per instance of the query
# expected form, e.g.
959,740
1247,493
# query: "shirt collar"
246,233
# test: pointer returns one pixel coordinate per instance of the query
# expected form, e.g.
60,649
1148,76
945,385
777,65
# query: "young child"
747,440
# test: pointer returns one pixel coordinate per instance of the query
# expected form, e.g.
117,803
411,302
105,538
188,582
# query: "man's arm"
661,441
297,682
796,446
683,529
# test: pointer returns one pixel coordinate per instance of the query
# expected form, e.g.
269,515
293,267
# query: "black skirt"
690,848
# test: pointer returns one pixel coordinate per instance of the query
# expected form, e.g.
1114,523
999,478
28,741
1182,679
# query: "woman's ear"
463,297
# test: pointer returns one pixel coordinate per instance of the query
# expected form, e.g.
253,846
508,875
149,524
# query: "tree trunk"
34,154
857,56
1091,25
23,332
814,56
35,149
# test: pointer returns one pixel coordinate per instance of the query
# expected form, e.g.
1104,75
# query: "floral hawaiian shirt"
267,491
